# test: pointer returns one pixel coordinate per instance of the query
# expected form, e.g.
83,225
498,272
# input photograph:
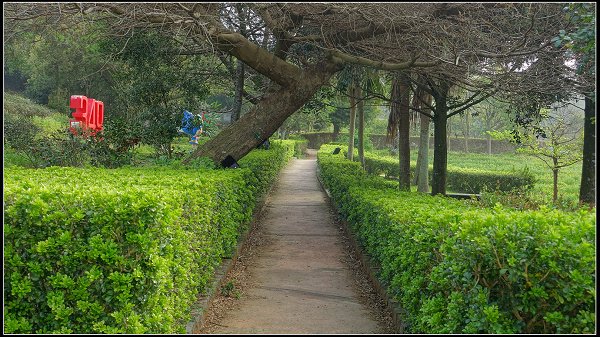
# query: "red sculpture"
89,115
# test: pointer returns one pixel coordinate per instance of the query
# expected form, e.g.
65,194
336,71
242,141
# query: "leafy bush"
300,146
60,148
457,268
102,154
463,180
368,144
52,123
159,128
58,100
19,134
474,181
17,105
125,250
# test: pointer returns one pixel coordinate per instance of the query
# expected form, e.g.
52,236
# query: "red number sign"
89,114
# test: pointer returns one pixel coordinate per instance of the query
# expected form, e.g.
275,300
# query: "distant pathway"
300,282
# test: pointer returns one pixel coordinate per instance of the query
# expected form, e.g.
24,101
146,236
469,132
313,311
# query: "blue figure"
196,136
187,123
189,128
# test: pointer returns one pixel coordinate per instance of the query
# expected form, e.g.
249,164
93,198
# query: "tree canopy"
482,47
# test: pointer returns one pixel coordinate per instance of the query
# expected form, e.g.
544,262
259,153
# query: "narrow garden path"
301,279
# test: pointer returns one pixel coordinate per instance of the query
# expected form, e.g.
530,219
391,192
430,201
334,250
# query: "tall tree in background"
422,101
445,107
556,140
339,117
493,115
352,93
398,126
360,114
582,42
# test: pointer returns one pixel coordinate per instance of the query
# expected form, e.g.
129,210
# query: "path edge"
369,267
199,308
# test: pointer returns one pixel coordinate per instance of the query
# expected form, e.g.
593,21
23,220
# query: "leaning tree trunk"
239,91
440,148
351,92
361,126
587,190
264,118
239,70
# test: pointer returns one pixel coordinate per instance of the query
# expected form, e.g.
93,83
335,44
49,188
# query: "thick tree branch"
339,57
466,106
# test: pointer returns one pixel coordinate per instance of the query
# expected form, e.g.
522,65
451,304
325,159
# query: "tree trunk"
587,190
239,70
336,130
351,93
239,91
555,185
467,131
361,126
422,169
440,148
489,137
262,121
448,132
403,131
282,134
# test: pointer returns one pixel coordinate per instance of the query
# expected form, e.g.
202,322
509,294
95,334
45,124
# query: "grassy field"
568,178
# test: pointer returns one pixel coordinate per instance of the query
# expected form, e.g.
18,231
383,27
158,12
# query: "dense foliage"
456,268
125,250
460,179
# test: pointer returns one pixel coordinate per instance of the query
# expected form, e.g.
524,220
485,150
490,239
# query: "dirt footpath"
296,275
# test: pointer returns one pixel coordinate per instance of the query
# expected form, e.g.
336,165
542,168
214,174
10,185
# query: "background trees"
556,141
582,42
290,51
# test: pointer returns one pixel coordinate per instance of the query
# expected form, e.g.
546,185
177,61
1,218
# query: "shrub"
124,250
59,100
457,268
300,146
60,148
159,128
17,105
474,180
19,134
458,179
368,144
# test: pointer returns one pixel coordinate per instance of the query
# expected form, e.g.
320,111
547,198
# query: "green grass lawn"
569,178
51,123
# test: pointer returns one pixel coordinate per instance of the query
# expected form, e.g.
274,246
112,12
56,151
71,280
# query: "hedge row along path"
300,281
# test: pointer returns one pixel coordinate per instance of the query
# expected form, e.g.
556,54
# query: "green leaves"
125,250
457,268
463,180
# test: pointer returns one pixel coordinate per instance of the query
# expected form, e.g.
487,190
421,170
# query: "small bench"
463,196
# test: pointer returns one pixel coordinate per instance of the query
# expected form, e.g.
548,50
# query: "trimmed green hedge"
300,146
456,268
458,179
125,250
